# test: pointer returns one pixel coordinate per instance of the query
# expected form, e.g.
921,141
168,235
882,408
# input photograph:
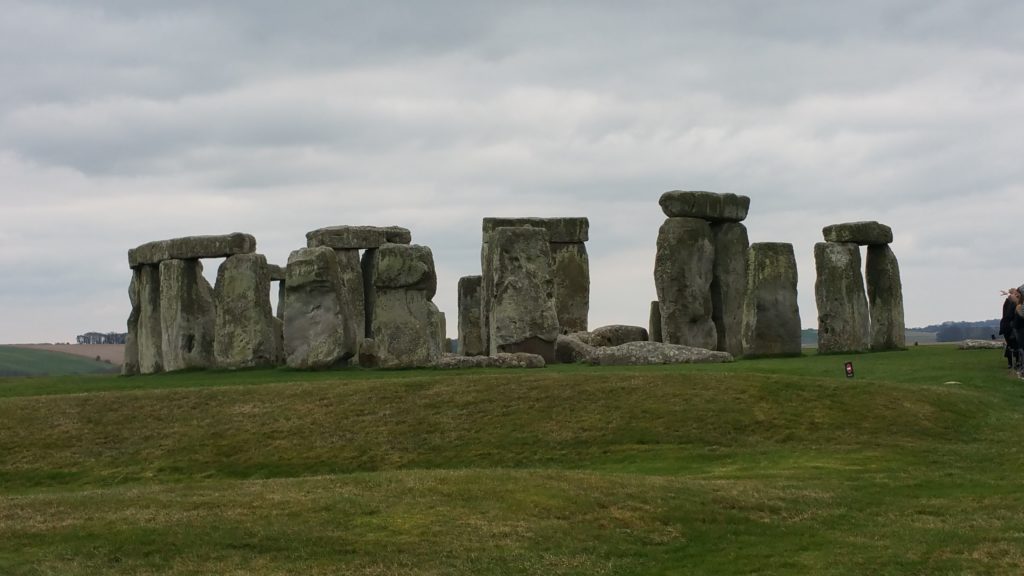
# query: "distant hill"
16,361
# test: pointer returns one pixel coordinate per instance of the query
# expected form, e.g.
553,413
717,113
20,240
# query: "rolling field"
758,467
24,361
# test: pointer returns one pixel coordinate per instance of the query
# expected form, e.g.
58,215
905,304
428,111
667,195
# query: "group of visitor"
1011,326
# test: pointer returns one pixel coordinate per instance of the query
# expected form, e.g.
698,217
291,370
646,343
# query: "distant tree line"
957,331
102,338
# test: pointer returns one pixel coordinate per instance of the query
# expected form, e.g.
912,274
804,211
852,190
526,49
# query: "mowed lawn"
915,466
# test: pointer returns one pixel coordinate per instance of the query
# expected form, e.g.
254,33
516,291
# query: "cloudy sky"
125,121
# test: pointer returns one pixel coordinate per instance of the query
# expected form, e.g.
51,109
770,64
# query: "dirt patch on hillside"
113,353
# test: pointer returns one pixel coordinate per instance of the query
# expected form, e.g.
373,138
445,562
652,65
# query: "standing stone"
470,340
353,285
187,315
406,325
150,341
281,291
839,294
654,322
885,292
522,308
771,316
439,324
131,342
246,333
570,271
682,275
728,280
315,335
369,291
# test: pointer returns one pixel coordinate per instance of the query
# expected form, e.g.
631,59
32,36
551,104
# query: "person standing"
1006,330
1017,296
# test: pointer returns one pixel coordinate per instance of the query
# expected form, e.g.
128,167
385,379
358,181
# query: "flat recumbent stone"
710,206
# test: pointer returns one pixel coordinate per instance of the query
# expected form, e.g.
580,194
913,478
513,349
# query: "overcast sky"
128,121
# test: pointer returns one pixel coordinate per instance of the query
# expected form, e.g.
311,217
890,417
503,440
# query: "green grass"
16,361
757,467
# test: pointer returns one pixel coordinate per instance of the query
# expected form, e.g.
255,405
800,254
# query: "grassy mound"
16,361
768,466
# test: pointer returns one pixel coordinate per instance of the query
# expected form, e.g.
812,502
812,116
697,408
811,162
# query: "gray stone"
570,349
710,206
405,266
315,335
192,247
728,280
439,326
368,262
654,322
150,339
567,230
522,308
682,275
368,353
771,316
276,273
245,329
130,367
187,315
839,293
570,271
617,334
282,290
503,360
981,345
357,237
885,293
863,233
470,340
352,284
404,329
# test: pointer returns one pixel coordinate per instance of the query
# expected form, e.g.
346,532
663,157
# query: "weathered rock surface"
522,315
439,324
150,334
192,247
315,334
187,316
567,230
617,334
368,353
368,263
570,271
863,233
517,360
843,324
245,328
885,294
470,340
654,322
710,206
130,367
408,266
571,350
357,237
980,344
276,273
352,283
728,280
405,329
682,275
771,315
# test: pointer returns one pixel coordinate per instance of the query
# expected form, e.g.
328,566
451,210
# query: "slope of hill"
18,361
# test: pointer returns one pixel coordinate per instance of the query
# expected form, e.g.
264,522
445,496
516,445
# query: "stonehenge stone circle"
728,281
246,328
405,323
192,248
315,334
843,324
771,315
187,316
868,233
710,206
682,275
521,308
885,294
471,342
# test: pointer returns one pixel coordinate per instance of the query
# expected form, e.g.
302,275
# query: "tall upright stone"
570,271
406,324
885,293
654,322
131,342
683,269
187,315
771,315
151,357
522,314
728,281
353,285
246,332
315,335
366,264
839,293
470,340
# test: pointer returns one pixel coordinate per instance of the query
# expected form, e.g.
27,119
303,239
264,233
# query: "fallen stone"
517,360
245,328
470,341
728,280
191,247
682,275
150,334
315,335
654,322
617,334
405,329
843,324
771,315
405,266
187,316
570,349
130,367
981,345
357,237
885,296
567,230
710,206
570,272
863,233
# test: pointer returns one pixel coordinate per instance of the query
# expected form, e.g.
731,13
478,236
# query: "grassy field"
16,361
757,467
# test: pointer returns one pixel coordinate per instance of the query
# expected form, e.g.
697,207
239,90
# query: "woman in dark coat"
1017,296
1006,329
